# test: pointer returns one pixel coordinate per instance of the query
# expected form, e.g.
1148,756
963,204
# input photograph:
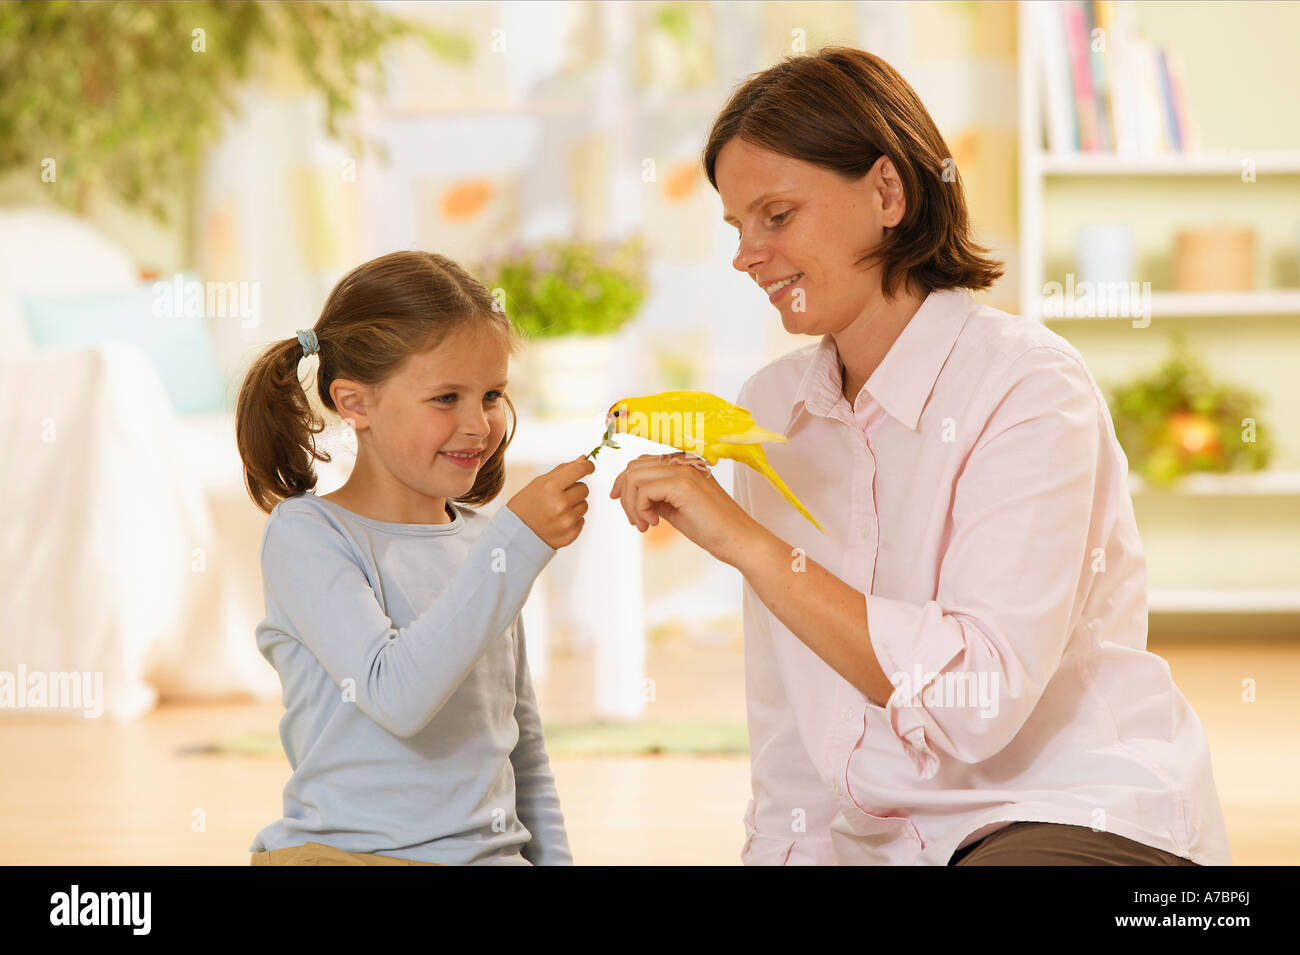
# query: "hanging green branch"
124,97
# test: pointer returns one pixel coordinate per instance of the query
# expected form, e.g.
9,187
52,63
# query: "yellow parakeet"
704,424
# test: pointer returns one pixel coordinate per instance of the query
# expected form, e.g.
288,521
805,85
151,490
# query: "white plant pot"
566,377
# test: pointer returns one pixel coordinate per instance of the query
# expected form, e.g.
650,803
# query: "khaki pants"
1051,843
315,853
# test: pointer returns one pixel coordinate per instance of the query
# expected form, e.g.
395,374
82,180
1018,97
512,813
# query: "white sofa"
129,547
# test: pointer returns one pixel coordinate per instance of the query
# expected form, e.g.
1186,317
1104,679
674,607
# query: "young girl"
392,605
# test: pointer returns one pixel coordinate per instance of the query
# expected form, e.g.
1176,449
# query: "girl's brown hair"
377,316
842,109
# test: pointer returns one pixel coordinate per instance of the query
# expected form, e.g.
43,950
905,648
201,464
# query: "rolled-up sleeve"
970,665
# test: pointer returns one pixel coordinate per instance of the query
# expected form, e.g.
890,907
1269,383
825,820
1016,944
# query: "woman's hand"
657,486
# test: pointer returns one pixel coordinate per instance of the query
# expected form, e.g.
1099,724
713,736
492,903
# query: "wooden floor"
99,793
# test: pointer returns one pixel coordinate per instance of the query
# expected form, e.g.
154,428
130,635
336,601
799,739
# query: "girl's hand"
553,503
689,498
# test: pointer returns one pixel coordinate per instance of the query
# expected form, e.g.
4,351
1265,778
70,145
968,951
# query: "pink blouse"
976,493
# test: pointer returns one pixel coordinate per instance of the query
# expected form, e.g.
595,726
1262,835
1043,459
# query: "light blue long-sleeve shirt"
410,720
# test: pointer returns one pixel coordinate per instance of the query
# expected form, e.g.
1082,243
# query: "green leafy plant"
563,287
1176,420
125,96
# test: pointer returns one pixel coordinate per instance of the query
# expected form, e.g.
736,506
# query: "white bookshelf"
1249,484
1204,164
1039,170
1224,600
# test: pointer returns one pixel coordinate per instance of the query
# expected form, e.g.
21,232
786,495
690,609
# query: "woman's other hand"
657,486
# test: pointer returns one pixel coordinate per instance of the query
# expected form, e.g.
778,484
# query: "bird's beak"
611,424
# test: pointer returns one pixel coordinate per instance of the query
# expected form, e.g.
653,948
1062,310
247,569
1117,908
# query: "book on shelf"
1106,88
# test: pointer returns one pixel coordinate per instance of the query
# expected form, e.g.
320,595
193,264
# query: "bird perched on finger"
701,423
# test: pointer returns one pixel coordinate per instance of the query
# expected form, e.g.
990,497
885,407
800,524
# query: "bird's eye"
615,414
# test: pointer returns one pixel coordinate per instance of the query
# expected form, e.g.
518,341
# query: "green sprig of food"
605,442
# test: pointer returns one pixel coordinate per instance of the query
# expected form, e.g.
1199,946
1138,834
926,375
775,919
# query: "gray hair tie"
307,339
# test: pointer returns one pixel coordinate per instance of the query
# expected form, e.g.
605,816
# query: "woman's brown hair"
842,109
377,316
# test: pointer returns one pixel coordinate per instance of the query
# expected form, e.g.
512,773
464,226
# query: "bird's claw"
695,461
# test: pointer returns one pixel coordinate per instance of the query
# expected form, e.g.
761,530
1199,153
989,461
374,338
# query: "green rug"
646,739
563,741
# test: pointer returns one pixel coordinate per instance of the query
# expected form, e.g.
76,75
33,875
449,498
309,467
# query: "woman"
957,673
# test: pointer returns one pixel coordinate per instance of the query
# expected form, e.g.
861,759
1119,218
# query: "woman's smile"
780,289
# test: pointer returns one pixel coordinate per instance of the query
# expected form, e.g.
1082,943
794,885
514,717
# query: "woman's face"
798,219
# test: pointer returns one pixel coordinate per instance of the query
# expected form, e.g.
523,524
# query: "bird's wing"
735,425
724,422
729,419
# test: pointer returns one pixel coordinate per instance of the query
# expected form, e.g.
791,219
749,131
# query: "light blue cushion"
178,344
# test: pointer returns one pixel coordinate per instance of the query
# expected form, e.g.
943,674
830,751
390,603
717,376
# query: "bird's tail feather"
754,435
753,456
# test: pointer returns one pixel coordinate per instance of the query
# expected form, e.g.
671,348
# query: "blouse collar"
905,377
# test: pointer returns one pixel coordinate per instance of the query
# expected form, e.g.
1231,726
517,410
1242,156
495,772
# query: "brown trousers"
316,853
1052,843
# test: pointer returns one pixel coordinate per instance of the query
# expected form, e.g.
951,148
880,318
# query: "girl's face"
797,219
441,405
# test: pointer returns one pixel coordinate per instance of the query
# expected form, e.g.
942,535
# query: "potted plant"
567,298
1176,420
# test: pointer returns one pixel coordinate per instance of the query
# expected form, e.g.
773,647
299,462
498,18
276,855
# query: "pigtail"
276,428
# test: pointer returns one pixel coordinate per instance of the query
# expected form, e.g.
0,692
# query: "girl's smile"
463,460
